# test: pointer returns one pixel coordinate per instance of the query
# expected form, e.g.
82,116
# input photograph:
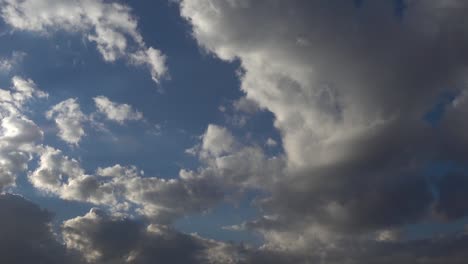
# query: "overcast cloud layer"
368,98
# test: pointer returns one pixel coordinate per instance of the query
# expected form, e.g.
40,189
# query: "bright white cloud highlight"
19,135
119,113
69,119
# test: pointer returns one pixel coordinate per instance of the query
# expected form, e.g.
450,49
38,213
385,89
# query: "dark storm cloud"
102,238
443,250
452,196
26,235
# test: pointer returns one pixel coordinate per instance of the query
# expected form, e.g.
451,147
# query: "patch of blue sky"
436,113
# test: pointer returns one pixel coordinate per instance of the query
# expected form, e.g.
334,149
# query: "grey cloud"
449,249
26,235
349,87
452,196
109,239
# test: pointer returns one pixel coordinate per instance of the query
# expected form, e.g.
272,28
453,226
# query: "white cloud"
153,59
69,119
115,111
111,26
19,136
125,188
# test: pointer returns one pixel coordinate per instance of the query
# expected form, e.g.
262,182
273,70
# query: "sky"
233,131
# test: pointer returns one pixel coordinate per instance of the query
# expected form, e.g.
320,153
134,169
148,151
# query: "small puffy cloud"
8,64
115,111
69,119
153,59
26,89
217,141
111,26
271,142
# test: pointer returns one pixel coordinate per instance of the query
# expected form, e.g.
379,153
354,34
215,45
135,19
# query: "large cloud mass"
350,85
358,91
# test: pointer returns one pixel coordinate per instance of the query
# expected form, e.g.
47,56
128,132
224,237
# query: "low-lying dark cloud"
26,234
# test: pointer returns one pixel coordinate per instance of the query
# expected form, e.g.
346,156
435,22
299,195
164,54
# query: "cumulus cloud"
19,135
69,119
349,85
111,26
125,189
119,113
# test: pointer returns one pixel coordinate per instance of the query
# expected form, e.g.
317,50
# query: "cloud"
26,235
19,135
245,105
97,236
119,113
111,26
348,86
126,190
69,119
